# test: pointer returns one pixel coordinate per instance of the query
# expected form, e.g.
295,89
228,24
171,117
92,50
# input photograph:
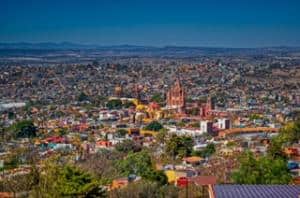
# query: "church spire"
176,96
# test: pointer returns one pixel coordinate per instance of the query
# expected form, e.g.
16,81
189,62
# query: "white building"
12,105
206,126
224,123
106,115
184,131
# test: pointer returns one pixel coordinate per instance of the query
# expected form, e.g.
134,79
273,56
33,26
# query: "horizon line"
95,45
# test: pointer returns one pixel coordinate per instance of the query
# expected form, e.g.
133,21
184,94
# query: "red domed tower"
176,96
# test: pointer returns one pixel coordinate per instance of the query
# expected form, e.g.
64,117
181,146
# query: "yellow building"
173,175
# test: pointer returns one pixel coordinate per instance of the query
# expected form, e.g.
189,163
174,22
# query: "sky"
212,23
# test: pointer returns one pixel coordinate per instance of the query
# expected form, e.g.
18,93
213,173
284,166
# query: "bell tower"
176,96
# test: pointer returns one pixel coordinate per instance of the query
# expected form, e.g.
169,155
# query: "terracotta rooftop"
192,159
204,180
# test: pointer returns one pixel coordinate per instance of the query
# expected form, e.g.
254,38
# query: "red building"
206,108
176,96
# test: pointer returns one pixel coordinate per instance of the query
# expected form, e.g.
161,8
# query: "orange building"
119,183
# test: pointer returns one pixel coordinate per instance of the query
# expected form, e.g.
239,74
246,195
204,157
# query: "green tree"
156,176
289,134
121,133
11,115
209,150
23,129
154,126
83,97
140,163
72,181
161,136
127,146
64,180
99,100
261,170
254,117
179,146
12,161
128,104
206,152
135,163
2,134
114,104
157,97
275,149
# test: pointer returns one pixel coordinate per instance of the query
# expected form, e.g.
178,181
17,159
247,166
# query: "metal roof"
257,191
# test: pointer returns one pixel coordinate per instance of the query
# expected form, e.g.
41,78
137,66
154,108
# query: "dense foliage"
289,134
180,146
66,181
154,126
140,163
206,152
23,129
82,97
127,146
158,98
114,104
121,133
261,170
270,169
128,104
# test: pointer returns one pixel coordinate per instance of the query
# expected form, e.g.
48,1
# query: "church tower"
176,96
210,104
118,91
206,108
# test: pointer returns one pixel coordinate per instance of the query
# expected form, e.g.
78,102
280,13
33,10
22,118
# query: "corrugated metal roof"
257,191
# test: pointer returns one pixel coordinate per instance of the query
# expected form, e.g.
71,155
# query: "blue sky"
226,23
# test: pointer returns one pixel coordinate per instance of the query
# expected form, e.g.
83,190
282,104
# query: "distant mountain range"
64,46
75,46
43,49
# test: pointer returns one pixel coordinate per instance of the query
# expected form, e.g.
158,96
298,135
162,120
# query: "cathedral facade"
176,96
